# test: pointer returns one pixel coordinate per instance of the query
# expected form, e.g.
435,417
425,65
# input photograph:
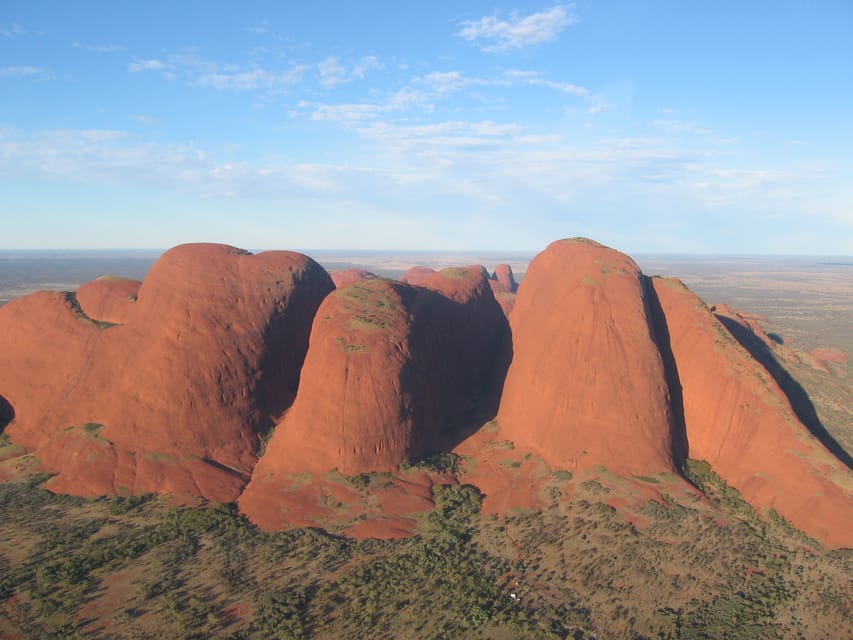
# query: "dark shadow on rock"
797,396
775,337
285,345
460,356
7,413
660,332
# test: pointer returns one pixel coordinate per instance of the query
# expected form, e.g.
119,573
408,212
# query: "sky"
658,126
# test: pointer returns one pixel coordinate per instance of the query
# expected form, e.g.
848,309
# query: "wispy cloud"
367,63
260,28
98,48
488,173
119,157
333,72
535,78
347,113
144,119
15,29
355,113
447,81
690,128
426,92
21,71
516,31
140,64
250,80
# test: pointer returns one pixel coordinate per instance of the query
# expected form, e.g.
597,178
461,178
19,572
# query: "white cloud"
469,171
535,78
143,119
259,29
193,63
12,30
333,72
99,48
148,65
691,128
355,113
121,158
517,32
446,81
252,80
366,64
347,113
21,71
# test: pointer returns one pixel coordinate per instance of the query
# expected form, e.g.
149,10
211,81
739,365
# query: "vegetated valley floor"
691,566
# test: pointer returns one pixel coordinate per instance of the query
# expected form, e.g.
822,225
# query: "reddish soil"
829,355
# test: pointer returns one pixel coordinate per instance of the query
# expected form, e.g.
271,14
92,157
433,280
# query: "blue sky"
660,126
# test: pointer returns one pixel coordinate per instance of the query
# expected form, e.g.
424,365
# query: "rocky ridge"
175,384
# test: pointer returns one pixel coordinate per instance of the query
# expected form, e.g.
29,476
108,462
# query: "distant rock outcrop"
586,386
739,420
173,399
504,287
45,339
108,298
502,280
347,276
416,275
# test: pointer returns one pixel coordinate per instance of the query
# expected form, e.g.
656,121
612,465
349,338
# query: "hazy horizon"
427,251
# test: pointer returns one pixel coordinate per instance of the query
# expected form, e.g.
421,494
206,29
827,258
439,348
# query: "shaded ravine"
660,334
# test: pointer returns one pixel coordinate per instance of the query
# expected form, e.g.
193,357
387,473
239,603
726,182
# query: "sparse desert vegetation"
140,568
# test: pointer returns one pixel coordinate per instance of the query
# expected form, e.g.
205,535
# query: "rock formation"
502,280
738,420
347,276
393,373
586,386
169,385
108,298
174,398
504,287
416,275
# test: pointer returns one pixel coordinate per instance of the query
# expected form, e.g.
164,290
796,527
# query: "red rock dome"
586,386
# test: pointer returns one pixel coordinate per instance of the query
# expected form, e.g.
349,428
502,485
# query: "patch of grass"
455,273
369,480
727,498
442,462
92,428
158,456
